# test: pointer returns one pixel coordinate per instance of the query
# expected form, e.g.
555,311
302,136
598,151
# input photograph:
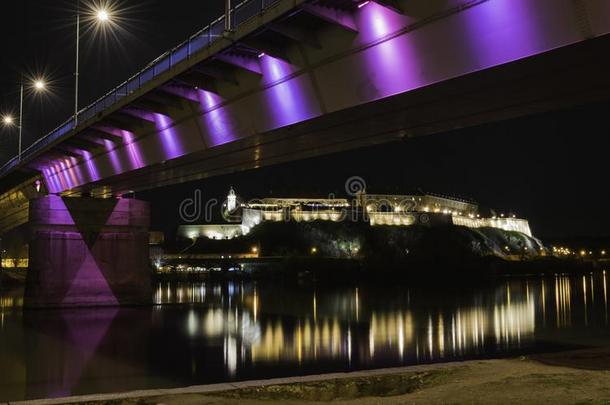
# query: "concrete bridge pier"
88,252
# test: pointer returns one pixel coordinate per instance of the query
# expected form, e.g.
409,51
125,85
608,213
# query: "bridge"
280,80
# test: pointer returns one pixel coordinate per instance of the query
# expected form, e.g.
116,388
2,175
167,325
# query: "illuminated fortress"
424,209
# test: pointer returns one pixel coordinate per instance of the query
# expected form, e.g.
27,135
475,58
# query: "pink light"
363,4
260,55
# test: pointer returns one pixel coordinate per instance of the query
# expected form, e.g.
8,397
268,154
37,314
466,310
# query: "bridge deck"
300,78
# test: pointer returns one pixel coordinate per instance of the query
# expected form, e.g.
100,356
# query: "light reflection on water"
333,326
216,331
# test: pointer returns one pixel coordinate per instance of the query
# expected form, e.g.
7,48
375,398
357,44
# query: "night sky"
39,37
551,168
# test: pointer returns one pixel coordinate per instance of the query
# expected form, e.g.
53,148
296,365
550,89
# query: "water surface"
209,332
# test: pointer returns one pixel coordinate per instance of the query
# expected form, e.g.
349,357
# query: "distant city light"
314,250
562,251
254,249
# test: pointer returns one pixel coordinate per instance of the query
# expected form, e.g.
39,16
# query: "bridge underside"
317,76
559,79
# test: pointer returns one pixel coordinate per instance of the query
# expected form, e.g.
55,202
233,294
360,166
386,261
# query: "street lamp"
101,16
8,120
39,85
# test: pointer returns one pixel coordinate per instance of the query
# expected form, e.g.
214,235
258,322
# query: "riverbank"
329,271
580,376
333,270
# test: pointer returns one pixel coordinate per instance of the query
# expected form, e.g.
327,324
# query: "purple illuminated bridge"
300,78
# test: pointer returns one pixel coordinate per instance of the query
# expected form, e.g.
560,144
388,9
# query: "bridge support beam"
88,252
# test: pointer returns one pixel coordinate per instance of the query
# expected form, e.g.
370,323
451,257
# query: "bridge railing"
196,43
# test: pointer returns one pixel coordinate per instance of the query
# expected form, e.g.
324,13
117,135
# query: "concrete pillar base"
88,252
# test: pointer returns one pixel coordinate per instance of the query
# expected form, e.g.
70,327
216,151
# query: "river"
207,332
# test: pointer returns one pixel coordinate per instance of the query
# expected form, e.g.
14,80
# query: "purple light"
69,172
216,119
89,270
503,30
62,165
115,161
363,4
260,55
287,100
56,178
492,33
86,331
377,21
91,167
60,177
275,69
50,180
75,167
169,138
393,65
135,157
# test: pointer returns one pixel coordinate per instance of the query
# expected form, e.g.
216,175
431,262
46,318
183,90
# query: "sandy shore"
581,376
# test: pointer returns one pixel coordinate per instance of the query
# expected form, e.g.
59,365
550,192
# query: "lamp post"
38,85
227,15
77,63
101,16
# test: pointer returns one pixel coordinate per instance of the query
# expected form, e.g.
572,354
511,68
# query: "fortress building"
417,208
